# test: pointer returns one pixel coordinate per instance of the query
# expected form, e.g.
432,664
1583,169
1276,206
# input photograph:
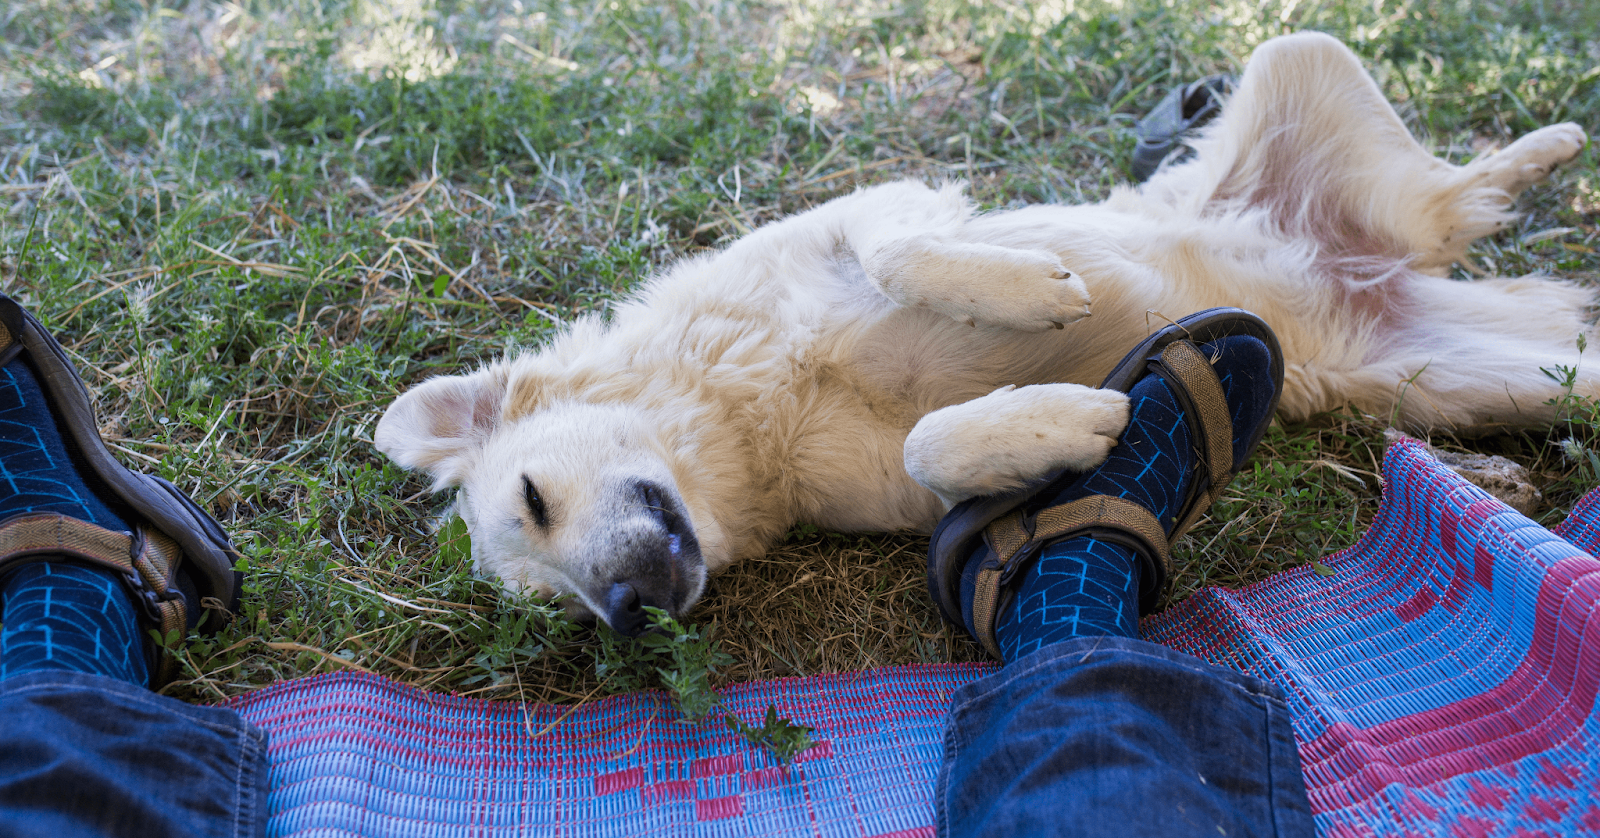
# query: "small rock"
1498,476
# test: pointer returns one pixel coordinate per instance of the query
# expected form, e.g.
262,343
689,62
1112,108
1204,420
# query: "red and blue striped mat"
355,754
1442,681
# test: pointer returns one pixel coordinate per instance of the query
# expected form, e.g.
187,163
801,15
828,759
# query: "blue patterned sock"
1083,586
57,615
65,616
39,466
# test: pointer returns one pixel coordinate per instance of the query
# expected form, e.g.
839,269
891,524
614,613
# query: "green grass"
251,232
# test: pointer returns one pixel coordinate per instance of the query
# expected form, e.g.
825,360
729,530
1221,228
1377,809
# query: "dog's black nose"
624,610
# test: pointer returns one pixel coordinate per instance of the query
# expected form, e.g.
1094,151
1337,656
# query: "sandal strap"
146,561
1206,408
1014,537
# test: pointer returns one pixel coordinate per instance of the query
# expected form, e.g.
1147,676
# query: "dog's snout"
625,608
653,561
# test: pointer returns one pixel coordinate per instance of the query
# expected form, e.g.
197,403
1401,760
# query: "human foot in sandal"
1088,553
92,555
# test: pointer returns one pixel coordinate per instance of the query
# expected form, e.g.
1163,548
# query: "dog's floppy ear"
432,425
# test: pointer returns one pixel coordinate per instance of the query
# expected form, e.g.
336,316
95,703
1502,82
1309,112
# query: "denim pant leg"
86,755
1114,736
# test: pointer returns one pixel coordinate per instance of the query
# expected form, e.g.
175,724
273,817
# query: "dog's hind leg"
1476,357
1475,200
1012,436
1309,152
1310,138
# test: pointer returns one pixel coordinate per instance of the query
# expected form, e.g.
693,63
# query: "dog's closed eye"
530,493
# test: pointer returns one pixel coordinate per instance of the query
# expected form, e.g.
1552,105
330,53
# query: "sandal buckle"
1022,558
148,600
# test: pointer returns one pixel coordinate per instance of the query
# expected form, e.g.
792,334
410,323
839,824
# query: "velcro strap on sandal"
1010,536
146,562
1111,513
1203,401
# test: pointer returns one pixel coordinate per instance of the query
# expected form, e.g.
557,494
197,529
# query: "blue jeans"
86,755
1113,736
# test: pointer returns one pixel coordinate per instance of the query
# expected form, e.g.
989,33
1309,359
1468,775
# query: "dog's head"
566,498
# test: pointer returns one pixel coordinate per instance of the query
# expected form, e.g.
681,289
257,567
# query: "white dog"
841,367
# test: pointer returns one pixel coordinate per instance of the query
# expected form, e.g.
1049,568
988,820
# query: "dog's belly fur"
1365,330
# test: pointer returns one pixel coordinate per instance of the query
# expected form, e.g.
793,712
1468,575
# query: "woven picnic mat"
356,754
1442,681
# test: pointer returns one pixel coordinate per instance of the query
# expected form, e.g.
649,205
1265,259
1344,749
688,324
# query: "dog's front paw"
1030,291
980,284
1012,436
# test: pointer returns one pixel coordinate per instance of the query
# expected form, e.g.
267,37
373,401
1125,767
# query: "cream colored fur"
868,363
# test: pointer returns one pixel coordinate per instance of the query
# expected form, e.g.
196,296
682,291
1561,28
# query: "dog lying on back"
869,363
